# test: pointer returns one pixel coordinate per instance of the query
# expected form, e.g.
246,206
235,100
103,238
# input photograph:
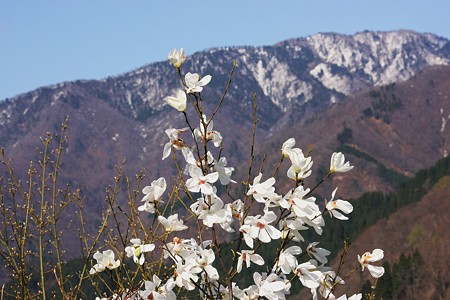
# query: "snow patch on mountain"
340,83
277,81
374,58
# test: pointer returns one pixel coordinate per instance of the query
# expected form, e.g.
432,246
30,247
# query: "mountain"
427,235
380,97
410,227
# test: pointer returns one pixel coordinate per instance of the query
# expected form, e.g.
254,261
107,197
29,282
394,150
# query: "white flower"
154,290
263,191
305,209
153,194
251,293
338,204
286,149
326,285
300,206
318,253
248,256
206,208
338,163
179,248
209,134
137,250
194,84
176,57
224,171
205,258
272,286
172,223
301,165
211,210
290,228
258,227
224,292
287,261
105,260
178,102
175,141
308,274
186,274
199,182
367,258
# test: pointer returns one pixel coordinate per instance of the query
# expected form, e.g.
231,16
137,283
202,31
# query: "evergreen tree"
384,289
366,290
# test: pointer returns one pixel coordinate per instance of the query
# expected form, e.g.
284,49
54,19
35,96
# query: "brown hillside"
423,226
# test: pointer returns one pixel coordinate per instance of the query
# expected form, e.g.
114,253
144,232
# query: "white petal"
375,271
376,255
205,80
167,150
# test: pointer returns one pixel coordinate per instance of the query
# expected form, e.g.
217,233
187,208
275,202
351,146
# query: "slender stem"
278,166
319,183
54,213
252,151
41,225
224,93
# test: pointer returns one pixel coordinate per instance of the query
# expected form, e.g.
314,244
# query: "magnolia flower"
154,290
305,210
224,171
338,163
176,57
290,228
208,134
318,253
224,292
301,165
153,194
286,149
137,250
199,182
308,274
262,191
271,286
287,260
175,141
248,256
211,210
204,260
207,207
179,248
194,84
178,102
105,260
250,293
172,223
302,207
186,275
258,227
338,204
326,285
367,258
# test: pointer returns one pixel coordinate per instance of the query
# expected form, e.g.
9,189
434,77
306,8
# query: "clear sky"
44,42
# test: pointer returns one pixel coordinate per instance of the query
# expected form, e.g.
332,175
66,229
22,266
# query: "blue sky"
49,41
